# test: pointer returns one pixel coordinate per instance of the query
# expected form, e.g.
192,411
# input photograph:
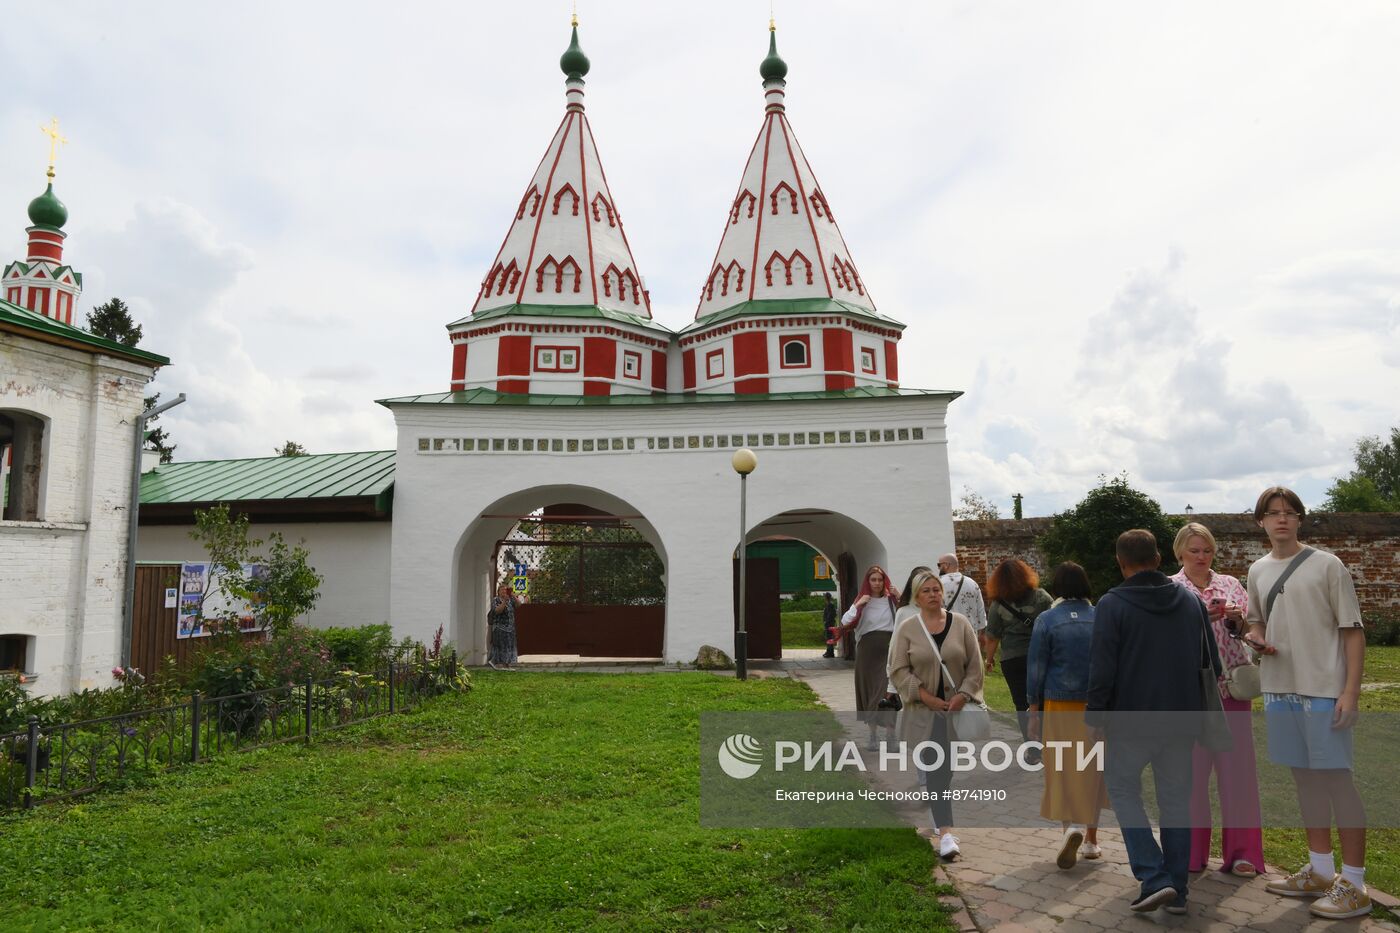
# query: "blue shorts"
1301,734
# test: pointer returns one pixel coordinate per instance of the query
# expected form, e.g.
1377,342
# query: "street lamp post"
744,463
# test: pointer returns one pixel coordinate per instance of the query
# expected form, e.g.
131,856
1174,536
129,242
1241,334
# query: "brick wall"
1368,543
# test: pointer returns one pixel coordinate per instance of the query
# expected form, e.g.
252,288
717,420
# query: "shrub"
811,602
1382,627
367,648
15,703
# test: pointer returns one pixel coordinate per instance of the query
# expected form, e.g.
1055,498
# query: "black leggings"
1014,670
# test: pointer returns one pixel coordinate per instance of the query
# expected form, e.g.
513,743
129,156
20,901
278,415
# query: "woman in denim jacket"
1057,682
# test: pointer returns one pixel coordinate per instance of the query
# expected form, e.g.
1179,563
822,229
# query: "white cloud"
296,212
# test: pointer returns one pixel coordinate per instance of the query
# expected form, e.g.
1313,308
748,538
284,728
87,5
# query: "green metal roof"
316,476
492,397
13,317
568,311
788,307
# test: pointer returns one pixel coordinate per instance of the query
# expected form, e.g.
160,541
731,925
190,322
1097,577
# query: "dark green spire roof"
773,67
47,210
573,62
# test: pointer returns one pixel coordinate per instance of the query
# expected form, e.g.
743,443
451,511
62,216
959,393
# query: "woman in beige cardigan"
917,675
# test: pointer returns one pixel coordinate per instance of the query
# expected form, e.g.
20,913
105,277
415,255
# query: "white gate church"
565,391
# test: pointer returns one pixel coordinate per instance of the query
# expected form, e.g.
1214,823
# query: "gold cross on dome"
56,139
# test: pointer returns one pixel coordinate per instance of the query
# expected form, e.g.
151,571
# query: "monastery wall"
62,576
1369,544
353,557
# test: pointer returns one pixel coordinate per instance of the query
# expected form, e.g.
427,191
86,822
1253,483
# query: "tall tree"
113,321
1087,533
1374,486
291,449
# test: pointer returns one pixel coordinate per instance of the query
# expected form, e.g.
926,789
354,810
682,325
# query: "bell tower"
42,282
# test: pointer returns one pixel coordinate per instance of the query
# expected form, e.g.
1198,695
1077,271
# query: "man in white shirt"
962,594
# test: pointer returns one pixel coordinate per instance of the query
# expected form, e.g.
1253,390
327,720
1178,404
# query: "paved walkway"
1007,879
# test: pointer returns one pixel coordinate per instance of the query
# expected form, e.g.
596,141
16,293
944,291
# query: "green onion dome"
47,210
773,67
573,62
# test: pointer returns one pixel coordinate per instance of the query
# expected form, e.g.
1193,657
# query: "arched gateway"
564,390
592,571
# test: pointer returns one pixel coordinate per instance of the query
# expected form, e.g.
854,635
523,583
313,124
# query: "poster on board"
200,599
189,614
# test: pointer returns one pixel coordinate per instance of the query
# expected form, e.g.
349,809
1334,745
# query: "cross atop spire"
56,139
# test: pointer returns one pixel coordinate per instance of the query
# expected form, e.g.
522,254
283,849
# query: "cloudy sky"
1146,237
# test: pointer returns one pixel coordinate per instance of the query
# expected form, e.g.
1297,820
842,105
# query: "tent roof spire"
780,241
566,247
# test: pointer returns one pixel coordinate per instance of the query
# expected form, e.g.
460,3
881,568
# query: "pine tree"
112,320
291,449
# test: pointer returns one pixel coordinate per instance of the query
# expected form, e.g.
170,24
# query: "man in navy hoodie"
1144,684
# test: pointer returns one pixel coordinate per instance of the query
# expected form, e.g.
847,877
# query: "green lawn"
803,630
537,801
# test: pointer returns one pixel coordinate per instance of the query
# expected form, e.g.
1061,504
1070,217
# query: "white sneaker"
1069,848
948,847
1090,850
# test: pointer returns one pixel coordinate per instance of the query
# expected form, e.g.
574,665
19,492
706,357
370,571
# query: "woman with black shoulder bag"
1015,599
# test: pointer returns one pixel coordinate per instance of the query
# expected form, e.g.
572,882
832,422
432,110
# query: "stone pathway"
1007,879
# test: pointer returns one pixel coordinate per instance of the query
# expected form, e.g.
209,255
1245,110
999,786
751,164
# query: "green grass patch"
536,801
803,630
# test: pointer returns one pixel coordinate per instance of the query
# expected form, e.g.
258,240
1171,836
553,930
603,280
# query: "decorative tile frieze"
669,442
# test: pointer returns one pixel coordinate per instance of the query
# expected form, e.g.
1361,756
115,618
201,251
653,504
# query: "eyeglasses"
1277,513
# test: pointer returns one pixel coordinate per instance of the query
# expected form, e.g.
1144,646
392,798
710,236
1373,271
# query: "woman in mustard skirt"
1057,681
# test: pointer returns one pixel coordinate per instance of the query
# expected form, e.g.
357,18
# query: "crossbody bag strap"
948,621
1023,616
961,581
1277,589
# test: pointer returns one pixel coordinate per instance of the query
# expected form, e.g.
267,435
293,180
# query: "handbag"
1215,728
974,721
1242,681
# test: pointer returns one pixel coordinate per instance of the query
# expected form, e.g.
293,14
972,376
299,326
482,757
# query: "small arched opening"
22,466
845,545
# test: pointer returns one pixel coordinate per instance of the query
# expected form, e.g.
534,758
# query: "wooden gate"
594,588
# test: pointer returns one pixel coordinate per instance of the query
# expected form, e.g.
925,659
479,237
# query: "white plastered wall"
687,499
353,557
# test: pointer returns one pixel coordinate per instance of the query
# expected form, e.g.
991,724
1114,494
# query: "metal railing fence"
45,763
